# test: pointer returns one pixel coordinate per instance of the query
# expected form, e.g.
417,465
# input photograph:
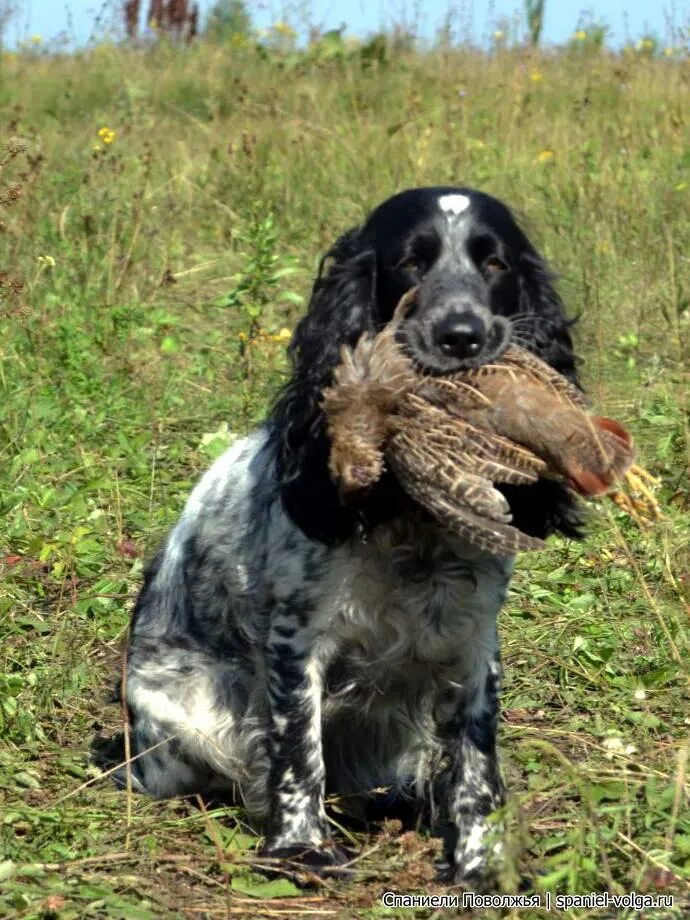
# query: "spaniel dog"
285,645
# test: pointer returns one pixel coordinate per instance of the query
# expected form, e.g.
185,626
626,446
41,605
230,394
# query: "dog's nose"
460,335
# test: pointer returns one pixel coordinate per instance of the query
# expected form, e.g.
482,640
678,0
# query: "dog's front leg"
296,827
471,787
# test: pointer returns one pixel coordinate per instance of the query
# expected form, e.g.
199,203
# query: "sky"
626,19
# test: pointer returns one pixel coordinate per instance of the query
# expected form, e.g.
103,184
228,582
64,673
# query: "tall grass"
150,274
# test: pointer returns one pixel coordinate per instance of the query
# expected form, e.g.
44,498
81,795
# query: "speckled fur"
381,638
285,644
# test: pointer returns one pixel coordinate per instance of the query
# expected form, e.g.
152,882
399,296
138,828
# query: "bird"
451,439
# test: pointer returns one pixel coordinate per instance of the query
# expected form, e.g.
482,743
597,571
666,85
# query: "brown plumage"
449,439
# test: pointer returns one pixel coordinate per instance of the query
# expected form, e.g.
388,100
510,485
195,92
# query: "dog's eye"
411,264
494,265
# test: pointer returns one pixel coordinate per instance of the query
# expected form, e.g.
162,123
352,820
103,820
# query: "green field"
149,275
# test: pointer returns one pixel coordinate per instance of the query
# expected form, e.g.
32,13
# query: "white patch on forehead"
452,205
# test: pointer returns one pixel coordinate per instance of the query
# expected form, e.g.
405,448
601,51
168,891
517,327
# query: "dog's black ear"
340,310
549,331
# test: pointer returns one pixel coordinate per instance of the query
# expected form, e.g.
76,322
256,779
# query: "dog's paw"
479,881
306,864
475,875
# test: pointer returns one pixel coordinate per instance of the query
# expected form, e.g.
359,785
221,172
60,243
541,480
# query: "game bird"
450,440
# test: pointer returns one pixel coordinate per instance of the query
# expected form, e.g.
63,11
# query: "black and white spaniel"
285,645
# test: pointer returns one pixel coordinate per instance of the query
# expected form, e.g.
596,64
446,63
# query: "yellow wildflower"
107,135
283,336
580,35
284,29
545,156
242,336
499,34
669,52
36,40
535,75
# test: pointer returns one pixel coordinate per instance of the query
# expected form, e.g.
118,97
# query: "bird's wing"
455,441
425,475
494,536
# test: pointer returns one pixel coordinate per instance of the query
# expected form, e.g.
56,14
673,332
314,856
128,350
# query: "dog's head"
480,285
481,282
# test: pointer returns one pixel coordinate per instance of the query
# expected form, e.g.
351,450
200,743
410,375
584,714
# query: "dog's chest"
411,606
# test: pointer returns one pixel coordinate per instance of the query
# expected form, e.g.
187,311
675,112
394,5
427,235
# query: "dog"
286,645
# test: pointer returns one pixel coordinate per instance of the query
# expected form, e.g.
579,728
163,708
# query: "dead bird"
450,439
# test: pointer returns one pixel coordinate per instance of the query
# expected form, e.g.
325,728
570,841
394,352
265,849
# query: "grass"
147,285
